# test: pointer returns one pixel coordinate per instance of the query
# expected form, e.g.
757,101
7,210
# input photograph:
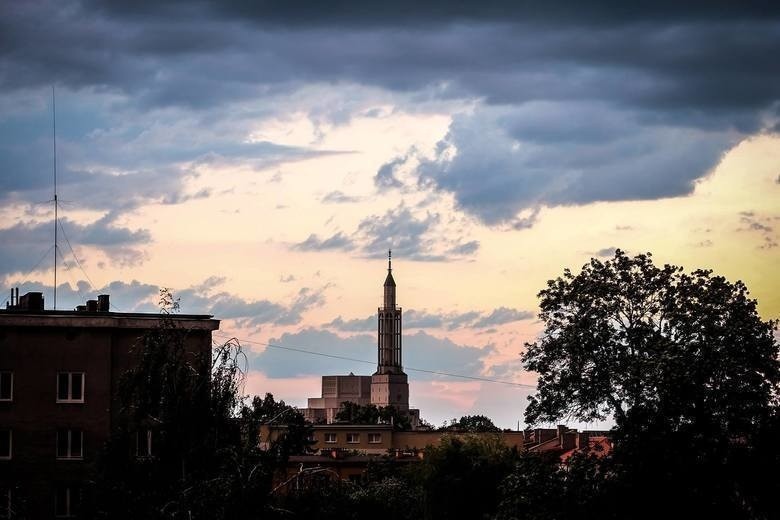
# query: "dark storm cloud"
376,13
421,350
575,103
681,59
498,162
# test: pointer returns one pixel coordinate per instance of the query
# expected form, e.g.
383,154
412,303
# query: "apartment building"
59,372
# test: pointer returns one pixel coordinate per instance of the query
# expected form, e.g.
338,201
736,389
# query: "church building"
388,386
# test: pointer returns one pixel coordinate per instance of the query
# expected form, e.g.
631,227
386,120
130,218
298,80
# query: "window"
6,386
6,440
374,438
70,444
353,438
330,438
143,443
70,387
67,501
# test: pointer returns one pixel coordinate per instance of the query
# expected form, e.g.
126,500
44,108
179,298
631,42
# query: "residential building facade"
59,372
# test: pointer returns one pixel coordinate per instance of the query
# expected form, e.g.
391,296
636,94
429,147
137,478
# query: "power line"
345,358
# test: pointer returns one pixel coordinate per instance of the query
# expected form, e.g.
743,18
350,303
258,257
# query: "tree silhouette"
682,362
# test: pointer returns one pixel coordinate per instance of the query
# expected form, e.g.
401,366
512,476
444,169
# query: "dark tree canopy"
472,424
353,413
628,339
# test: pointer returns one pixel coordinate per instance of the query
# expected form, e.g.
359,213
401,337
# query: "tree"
460,476
472,424
187,403
296,439
684,364
353,413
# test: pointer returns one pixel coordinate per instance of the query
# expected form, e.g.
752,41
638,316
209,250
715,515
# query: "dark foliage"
687,368
471,424
353,413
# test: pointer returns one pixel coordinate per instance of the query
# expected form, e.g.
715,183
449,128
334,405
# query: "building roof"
389,280
84,319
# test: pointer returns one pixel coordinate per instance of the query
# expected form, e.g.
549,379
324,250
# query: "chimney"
92,305
561,430
103,303
32,301
568,440
582,440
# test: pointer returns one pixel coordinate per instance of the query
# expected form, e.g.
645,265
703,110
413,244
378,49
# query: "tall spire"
389,341
389,281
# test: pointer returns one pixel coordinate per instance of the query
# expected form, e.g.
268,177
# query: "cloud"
409,236
503,315
206,298
422,319
353,325
24,243
336,241
412,237
498,162
605,252
570,104
421,351
750,222
338,197
131,296
465,249
385,177
201,298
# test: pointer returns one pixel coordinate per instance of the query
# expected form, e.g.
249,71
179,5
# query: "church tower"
389,384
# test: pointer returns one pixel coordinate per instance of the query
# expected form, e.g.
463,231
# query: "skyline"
260,164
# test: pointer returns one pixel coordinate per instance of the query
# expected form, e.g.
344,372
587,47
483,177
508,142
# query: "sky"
260,158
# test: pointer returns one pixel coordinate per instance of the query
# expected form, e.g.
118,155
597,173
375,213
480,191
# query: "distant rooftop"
29,310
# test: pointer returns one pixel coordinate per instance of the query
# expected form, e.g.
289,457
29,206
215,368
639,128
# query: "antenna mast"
56,215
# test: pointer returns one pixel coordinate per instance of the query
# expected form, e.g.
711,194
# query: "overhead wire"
345,358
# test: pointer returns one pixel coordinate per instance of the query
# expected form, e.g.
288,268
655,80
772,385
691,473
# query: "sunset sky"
259,159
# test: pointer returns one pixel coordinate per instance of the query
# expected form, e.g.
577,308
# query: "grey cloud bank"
571,104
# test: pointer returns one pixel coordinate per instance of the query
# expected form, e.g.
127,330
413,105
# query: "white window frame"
375,438
8,373
10,446
329,436
353,438
69,512
69,452
70,375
